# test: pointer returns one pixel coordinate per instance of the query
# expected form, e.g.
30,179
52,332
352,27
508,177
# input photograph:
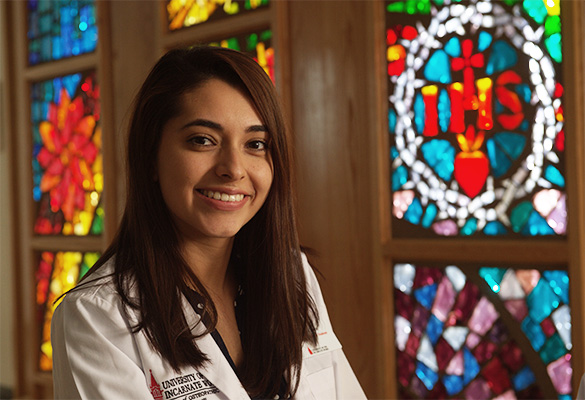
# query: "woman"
204,292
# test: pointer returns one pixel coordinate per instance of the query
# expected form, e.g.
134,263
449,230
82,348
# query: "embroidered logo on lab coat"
326,341
189,387
155,388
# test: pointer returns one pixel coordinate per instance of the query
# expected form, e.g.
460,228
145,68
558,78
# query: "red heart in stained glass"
471,171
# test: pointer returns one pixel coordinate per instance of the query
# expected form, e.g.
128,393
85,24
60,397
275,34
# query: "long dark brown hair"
279,313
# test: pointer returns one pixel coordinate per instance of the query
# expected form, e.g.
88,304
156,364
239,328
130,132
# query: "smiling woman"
205,290
213,165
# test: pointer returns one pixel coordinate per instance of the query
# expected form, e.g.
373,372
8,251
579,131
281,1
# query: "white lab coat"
96,356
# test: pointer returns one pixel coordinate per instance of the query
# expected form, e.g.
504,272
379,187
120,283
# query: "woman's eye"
200,141
257,145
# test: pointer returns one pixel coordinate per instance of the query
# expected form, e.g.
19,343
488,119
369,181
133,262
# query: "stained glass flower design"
476,117
258,45
67,158
185,13
455,338
56,274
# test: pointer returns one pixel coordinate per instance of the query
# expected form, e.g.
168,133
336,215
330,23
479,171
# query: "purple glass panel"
483,317
444,300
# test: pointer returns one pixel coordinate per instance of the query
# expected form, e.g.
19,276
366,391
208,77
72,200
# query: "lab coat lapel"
217,370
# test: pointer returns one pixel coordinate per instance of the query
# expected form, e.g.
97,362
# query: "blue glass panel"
559,282
553,45
503,149
553,349
391,121
393,153
444,110
426,375
453,47
523,90
524,378
503,57
494,228
440,156
493,277
500,163
453,384
60,29
414,212
70,82
534,333
399,177
58,84
419,114
511,143
430,214
553,175
537,226
437,68
37,172
520,215
484,41
471,366
470,227
426,295
498,107
541,301
536,9
434,329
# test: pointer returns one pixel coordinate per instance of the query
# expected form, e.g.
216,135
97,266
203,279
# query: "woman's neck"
209,261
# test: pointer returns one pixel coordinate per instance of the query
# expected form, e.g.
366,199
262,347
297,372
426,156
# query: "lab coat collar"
217,370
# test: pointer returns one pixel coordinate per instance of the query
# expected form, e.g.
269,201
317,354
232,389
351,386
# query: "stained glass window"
67,155
457,336
476,117
184,13
258,45
60,28
56,273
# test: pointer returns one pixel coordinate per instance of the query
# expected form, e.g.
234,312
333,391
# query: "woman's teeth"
223,196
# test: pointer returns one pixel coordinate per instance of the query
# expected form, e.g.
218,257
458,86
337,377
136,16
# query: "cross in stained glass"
467,63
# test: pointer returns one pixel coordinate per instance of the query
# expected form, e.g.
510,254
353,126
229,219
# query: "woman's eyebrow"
218,127
205,123
257,128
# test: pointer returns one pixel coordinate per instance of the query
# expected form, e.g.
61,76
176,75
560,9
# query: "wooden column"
333,91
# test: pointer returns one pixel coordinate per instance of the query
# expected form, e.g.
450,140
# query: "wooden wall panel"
133,38
333,94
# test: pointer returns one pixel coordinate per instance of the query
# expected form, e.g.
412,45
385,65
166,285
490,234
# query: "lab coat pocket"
318,377
322,384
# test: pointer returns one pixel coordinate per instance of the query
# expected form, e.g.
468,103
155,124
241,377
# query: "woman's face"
213,166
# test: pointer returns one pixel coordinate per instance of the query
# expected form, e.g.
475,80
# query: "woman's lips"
223,201
216,195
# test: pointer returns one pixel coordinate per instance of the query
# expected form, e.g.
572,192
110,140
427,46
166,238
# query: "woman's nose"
230,164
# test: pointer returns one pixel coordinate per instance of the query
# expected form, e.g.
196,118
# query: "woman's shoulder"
99,286
96,298
310,276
